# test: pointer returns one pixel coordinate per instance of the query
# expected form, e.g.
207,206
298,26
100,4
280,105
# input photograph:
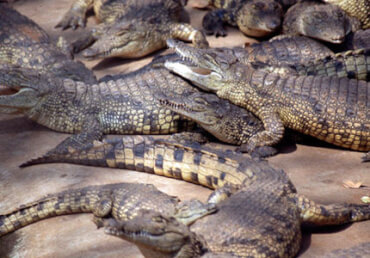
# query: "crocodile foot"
213,24
366,157
72,19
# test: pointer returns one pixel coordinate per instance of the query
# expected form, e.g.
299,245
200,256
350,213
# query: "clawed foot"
213,24
72,19
366,157
257,152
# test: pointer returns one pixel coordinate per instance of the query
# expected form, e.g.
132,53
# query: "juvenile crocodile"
130,28
125,105
318,20
356,8
119,201
351,64
24,44
253,17
332,109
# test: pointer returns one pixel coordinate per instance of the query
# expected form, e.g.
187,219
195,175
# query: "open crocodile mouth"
176,106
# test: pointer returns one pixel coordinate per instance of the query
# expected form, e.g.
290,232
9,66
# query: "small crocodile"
130,28
119,201
24,44
356,8
332,109
318,20
253,17
125,105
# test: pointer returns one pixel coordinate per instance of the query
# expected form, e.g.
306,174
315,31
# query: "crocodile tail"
188,162
68,202
336,214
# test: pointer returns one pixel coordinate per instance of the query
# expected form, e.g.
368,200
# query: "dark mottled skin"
24,44
130,28
263,215
359,39
317,20
119,201
253,17
332,109
351,64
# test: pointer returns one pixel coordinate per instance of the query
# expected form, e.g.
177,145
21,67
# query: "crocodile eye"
200,101
158,219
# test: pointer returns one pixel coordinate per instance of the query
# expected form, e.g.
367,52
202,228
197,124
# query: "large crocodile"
253,17
24,44
119,201
130,28
356,8
320,21
264,214
332,109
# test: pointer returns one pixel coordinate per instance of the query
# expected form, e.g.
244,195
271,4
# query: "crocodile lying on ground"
332,109
24,44
263,214
119,201
318,20
253,17
130,28
356,8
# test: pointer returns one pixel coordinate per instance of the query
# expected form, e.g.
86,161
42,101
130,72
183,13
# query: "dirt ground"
316,171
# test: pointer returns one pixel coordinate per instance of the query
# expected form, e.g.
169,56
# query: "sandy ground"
316,171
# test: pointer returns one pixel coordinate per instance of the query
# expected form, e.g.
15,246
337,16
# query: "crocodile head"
225,121
259,18
329,23
125,39
21,89
156,235
210,69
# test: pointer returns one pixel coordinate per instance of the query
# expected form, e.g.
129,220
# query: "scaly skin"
24,44
358,40
263,216
225,121
125,105
255,18
351,64
356,8
130,28
332,109
118,201
317,20
283,50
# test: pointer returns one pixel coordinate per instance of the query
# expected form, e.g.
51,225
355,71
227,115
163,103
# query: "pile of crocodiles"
244,96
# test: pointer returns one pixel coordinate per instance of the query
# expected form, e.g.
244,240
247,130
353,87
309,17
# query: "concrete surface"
317,172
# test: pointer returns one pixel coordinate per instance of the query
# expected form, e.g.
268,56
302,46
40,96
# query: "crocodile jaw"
204,81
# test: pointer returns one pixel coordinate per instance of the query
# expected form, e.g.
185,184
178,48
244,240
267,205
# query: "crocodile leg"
91,130
87,38
213,22
76,16
335,214
89,200
186,32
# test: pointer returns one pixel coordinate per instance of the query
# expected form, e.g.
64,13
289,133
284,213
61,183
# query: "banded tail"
189,162
85,200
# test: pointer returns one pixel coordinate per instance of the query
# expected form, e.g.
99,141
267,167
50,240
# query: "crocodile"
119,201
24,44
129,28
125,105
255,18
258,205
356,8
318,20
332,109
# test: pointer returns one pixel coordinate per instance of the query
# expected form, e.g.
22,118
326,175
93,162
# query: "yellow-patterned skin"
262,217
332,109
356,8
